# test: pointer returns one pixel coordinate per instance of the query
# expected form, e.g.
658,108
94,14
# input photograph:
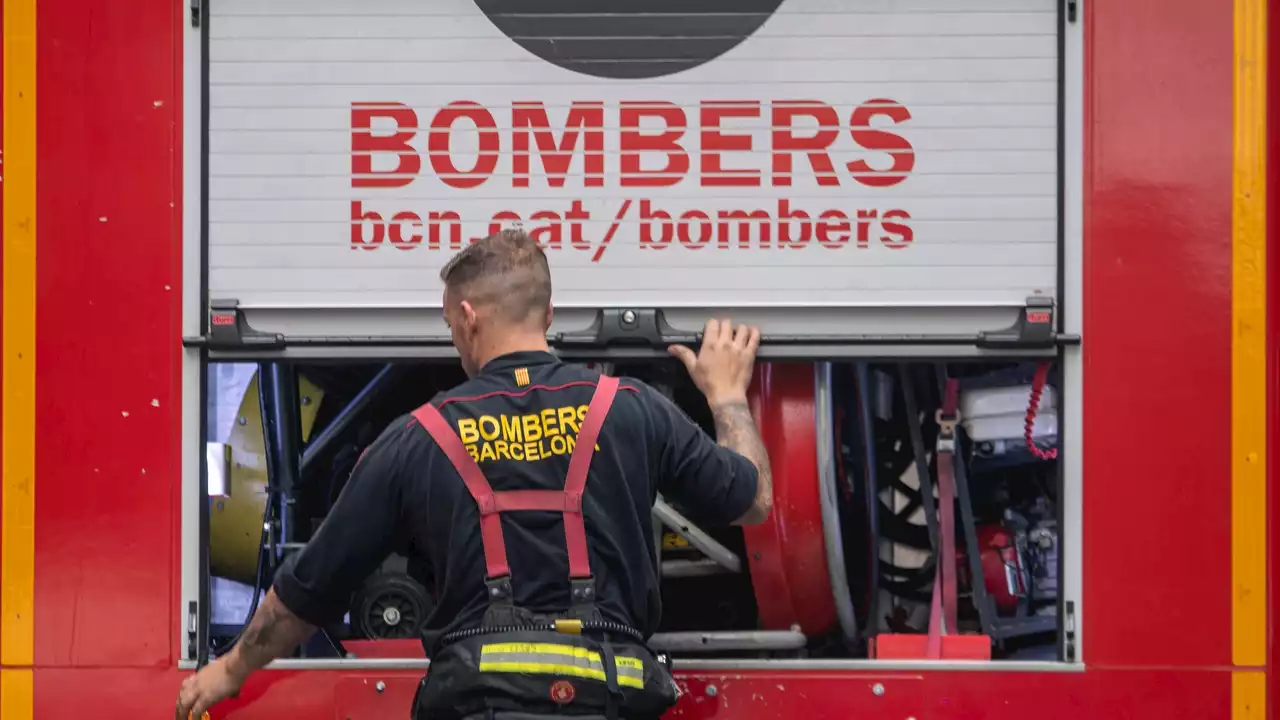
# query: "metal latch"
616,326
1069,631
1034,328
195,13
947,430
192,629
229,330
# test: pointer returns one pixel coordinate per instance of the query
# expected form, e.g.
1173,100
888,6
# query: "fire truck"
1009,259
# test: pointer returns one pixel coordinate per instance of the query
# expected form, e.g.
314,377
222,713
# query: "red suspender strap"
933,641
491,504
495,550
942,611
575,530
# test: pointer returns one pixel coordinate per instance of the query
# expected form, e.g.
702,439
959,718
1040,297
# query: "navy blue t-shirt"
518,418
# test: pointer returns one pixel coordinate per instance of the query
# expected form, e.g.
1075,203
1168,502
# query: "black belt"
566,627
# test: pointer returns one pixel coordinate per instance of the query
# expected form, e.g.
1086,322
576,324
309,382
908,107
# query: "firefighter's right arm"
313,587
365,524
722,371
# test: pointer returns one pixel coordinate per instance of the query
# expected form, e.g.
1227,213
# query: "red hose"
1033,407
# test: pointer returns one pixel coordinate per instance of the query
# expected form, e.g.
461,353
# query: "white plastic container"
989,414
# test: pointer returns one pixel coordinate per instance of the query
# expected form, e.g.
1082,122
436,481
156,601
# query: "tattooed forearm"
736,430
273,632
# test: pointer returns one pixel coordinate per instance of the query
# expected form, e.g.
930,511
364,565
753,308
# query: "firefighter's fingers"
199,711
726,332
753,341
711,333
187,697
685,356
741,336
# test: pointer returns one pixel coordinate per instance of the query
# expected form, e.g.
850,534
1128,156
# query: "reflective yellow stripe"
557,659
536,668
539,649
631,682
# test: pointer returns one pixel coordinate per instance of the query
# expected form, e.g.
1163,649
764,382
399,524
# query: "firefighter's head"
497,296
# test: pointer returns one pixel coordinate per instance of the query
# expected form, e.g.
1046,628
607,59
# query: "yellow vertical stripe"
17,696
1249,363
1248,695
17,551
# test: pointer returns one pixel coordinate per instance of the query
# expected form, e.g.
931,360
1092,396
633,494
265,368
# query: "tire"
390,606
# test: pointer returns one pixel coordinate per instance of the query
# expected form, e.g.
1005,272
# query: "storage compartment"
848,555
879,186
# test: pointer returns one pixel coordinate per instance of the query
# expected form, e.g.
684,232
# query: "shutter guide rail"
637,329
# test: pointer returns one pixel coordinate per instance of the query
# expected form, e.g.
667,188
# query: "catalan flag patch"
522,377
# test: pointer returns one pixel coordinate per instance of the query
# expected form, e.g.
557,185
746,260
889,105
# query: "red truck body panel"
106,275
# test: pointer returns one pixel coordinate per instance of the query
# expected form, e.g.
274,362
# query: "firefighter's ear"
550,312
467,313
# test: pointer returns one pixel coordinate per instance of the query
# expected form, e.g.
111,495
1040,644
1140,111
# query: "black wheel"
390,606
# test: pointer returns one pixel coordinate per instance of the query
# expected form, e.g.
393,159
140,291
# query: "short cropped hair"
507,271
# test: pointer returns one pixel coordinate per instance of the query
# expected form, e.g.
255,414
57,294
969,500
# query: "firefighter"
528,491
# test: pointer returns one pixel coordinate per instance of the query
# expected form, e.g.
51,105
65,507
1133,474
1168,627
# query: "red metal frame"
1151,156
1157,231
786,553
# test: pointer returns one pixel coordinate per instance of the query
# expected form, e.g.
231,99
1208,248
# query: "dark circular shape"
390,606
628,39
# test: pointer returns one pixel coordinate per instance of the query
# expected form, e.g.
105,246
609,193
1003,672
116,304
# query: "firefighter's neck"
504,340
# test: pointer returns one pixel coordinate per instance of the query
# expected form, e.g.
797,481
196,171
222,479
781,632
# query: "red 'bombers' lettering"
785,142
905,234
904,156
658,129
833,231
715,140
404,230
633,142
358,218
585,117
364,143
787,228
438,144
